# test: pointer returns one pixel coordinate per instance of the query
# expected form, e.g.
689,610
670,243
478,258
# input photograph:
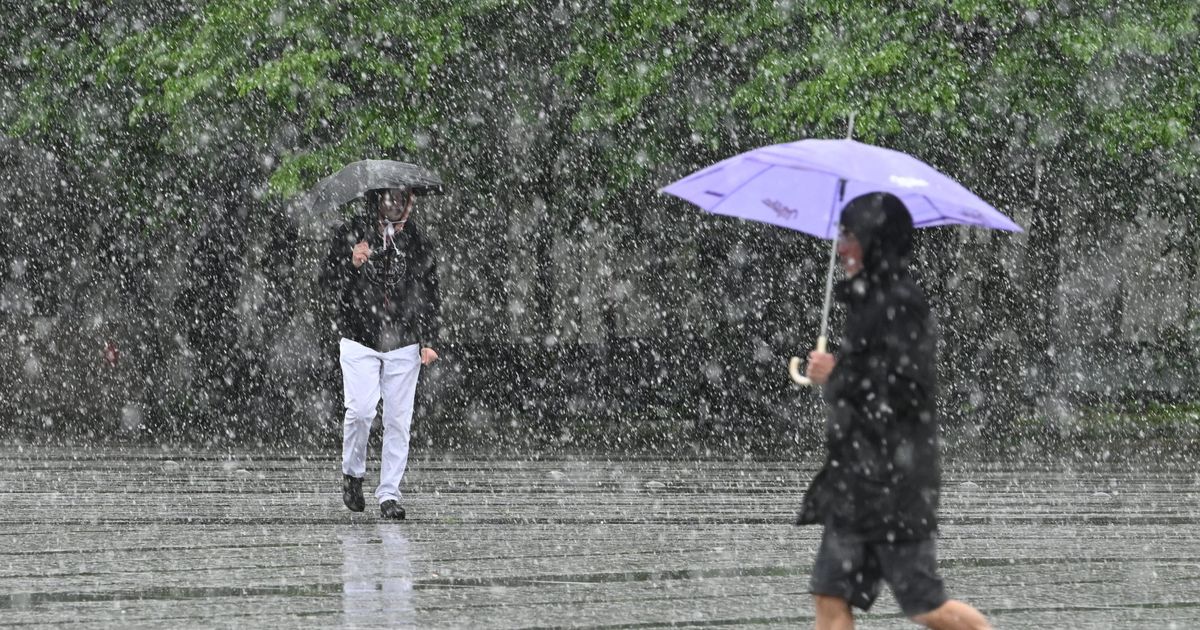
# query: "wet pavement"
175,538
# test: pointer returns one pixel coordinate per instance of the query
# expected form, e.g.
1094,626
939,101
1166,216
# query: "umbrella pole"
823,339
828,297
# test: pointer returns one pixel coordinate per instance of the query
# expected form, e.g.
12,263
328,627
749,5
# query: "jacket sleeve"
337,269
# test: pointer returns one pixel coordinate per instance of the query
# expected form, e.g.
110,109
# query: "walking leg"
360,383
833,613
953,615
400,371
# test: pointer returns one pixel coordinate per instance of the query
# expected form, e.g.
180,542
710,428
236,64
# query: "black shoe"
391,509
352,494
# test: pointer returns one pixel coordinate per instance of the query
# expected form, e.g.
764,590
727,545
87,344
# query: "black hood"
884,229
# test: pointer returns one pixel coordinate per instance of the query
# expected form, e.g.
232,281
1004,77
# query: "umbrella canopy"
804,185
319,209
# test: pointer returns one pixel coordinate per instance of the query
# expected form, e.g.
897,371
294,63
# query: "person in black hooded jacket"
877,494
382,275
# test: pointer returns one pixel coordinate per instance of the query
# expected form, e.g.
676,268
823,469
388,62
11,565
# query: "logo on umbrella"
780,209
908,182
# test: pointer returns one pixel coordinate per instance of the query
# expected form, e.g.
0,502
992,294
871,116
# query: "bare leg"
833,613
953,615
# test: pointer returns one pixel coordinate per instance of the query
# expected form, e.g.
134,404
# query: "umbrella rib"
881,187
806,167
934,205
741,186
954,220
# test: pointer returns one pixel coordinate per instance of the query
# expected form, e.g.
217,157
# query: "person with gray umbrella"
382,274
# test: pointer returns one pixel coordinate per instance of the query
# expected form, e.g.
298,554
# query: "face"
394,204
850,252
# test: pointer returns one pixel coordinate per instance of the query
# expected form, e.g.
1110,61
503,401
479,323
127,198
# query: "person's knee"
359,412
953,615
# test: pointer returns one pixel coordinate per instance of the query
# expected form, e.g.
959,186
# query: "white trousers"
367,376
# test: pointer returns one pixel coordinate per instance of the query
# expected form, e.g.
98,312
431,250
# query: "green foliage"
302,86
548,115
293,89
1096,76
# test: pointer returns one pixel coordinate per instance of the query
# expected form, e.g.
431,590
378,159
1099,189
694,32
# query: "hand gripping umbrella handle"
794,365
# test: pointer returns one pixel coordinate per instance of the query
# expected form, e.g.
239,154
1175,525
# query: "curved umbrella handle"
794,372
794,365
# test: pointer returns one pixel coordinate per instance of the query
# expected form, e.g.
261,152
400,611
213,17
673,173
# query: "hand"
428,355
361,253
820,365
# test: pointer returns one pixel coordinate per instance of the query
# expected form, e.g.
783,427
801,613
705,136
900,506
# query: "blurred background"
154,288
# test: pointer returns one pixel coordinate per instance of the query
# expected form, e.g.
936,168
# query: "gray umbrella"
319,209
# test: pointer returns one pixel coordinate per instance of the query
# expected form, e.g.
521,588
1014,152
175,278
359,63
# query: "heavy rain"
544,361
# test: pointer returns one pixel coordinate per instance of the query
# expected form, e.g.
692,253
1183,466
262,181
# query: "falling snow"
158,295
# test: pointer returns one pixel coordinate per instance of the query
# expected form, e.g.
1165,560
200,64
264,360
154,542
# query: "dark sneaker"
391,509
352,494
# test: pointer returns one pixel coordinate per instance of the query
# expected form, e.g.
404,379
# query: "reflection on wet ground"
153,538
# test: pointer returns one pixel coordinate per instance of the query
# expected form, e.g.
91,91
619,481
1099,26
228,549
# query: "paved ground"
170,538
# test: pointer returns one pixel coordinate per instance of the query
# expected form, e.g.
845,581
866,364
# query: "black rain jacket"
397,286
881,477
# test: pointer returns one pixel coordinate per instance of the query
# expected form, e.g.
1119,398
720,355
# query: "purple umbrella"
804,186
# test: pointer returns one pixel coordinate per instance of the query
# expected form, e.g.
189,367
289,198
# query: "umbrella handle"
794,365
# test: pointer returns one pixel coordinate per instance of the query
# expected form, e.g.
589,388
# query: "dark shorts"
854,570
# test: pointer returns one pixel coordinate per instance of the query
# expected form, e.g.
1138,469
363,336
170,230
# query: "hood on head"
884,229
